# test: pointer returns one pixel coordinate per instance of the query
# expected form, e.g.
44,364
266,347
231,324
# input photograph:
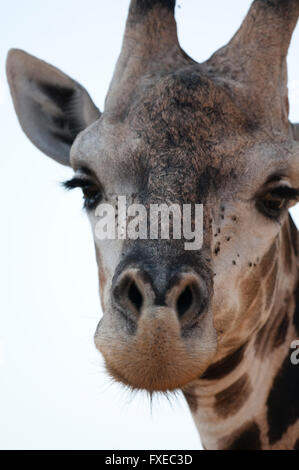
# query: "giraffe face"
169,312
174,131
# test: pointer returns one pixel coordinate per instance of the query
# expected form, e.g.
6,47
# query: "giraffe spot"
282,402
296,446
225,366
246,438
250,291
272,334
230,400
191,400
281,332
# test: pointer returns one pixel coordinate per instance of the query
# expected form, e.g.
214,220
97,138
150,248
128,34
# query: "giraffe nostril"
184,301
135,296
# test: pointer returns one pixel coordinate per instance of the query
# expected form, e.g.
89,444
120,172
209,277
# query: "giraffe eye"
274,202
92,193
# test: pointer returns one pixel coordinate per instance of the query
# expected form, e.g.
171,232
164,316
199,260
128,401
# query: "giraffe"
217,323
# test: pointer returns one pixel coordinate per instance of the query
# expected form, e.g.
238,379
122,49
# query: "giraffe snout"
136,292
157,333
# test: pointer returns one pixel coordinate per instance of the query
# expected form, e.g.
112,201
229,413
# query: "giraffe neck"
250,398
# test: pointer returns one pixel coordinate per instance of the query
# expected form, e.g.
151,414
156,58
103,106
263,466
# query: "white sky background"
54,392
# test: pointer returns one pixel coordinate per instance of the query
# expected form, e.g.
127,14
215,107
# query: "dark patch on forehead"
283,402
281,332
190,110
230,400
191,79
296,446
246,438
225,366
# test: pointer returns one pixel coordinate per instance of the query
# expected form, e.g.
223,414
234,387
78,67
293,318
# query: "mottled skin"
176,131
248,400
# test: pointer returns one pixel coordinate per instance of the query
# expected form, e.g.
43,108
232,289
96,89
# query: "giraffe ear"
51,107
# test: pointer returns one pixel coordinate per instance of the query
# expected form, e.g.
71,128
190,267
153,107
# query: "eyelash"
282,195
92,194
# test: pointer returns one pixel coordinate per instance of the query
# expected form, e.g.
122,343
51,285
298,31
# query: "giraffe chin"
157,358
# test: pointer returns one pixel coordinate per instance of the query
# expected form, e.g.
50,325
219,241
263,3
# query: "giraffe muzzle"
135,293
157,333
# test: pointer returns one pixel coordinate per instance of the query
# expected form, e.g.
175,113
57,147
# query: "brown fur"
231,399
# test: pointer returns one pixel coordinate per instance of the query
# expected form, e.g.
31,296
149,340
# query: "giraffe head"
177,132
